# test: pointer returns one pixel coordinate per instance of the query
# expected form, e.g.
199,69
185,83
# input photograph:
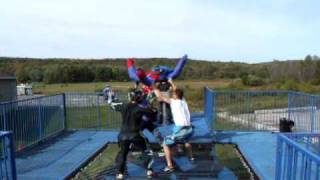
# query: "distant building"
24,90
8,89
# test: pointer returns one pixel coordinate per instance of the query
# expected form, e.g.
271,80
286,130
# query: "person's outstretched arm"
161,97
174,87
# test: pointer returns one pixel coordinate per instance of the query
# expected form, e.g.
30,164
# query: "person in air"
129,138
182,124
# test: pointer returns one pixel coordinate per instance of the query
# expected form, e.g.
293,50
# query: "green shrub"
290,85
252,80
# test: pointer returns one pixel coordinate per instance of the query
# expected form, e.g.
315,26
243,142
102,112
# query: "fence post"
12,157
206,104
213,110
99,113
289,105
4,117
39,119
313,114
278,158
64,111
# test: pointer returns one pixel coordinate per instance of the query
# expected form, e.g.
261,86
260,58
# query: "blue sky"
238,30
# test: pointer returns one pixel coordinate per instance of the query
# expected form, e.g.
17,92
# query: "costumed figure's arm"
174,87
132,71
178,69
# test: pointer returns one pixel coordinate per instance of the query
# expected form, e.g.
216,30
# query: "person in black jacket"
130,136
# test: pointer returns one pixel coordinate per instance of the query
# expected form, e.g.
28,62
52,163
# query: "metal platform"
258,149
62,156
59,159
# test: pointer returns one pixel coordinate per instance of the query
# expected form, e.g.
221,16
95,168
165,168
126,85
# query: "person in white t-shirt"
182,124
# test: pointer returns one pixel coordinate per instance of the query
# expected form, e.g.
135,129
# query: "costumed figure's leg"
178,69
146,153
121,158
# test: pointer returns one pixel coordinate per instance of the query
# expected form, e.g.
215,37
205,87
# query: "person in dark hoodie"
129,138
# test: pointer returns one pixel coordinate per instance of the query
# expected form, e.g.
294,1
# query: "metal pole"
289,105
278,167
12,157
313,114
99,113
39,119
164,113
64,111
4,117
213,110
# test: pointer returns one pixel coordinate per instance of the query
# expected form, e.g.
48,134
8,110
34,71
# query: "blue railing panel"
32,120
7,161
297,156
302,111
250,110
261,110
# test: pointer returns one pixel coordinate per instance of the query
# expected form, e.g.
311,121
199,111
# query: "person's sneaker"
149,173
120,176
168,169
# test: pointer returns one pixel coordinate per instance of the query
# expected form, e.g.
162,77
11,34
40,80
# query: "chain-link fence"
32,120
262,110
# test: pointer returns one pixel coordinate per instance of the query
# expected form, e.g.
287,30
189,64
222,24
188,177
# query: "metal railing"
297,156
303,109
91,111
209,104
262,110
7,155
32,120
250,110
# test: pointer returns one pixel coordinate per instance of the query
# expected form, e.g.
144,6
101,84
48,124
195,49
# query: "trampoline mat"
205,166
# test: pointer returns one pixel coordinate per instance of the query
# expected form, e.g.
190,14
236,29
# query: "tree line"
89,70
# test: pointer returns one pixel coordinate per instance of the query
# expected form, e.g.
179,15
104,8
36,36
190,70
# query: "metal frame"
295,159
240,108
33,120
7,162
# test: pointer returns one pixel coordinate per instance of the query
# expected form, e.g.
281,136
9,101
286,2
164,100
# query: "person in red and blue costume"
158,73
